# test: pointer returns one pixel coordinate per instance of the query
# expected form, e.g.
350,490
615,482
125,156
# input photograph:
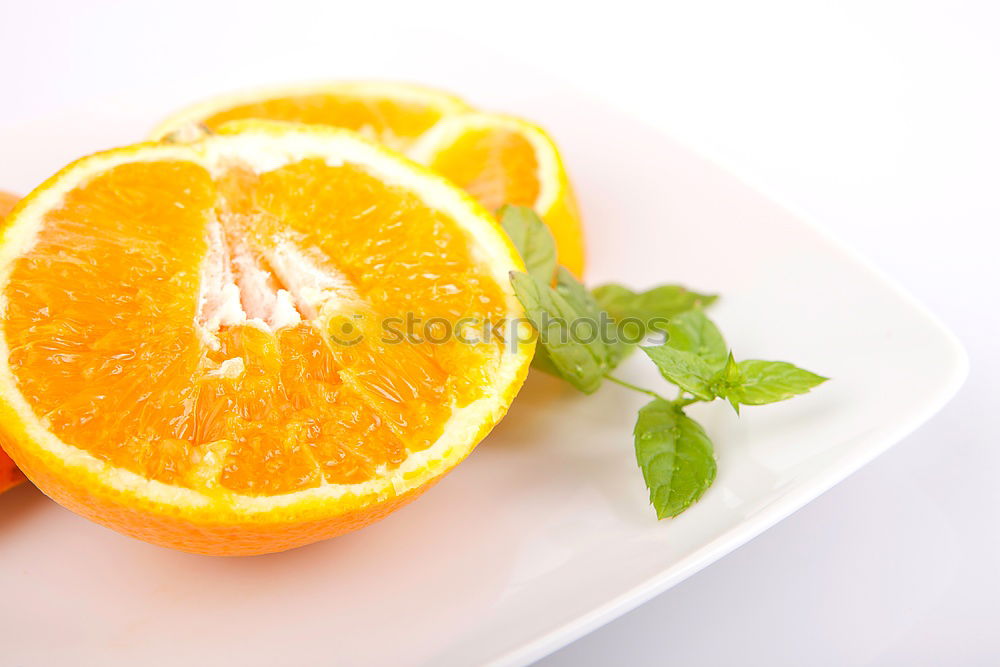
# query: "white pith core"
271,287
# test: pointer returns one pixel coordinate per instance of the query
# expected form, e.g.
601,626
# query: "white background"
880,119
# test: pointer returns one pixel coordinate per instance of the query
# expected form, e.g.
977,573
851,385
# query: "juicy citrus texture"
496,166
497,159
394,123
9,474
505,160
184,317
391,113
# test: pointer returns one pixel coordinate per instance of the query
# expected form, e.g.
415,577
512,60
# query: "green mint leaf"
764,382
580,363
576,294
587,328
626,334
664,302
675,456
636,314
692,331
685,369
532,239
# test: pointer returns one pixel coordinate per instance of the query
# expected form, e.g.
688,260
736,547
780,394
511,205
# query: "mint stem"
629,385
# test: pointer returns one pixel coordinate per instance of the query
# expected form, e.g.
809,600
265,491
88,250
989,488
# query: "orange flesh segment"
394,122
107,315
497,166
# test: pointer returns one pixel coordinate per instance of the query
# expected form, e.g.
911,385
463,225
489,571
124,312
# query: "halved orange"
501,160
9,474
498,159
204,345
395,114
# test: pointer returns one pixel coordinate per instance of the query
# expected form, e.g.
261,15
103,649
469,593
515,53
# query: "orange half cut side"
195,345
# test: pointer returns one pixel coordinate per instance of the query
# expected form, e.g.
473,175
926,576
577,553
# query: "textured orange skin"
212,539
164,526
10,476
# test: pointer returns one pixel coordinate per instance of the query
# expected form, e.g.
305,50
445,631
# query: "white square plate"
545,532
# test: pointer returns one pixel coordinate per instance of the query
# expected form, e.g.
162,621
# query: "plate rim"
798,496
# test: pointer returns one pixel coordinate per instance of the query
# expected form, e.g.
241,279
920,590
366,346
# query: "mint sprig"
577,344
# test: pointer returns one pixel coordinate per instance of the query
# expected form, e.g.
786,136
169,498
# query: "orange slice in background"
395,114
498,159
199,340
506,160
9,474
